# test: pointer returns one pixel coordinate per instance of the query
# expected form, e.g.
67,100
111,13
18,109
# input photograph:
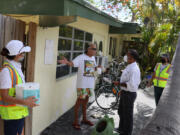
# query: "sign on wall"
49,52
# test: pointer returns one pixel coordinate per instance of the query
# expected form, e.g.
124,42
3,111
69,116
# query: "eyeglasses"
94,49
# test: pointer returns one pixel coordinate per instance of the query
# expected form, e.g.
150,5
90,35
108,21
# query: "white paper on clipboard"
49,52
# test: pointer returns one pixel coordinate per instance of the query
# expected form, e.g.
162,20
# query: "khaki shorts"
82,93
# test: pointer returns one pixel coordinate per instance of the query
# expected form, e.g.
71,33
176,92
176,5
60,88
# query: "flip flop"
87,122
76,126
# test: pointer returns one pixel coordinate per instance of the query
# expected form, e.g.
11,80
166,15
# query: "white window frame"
72,51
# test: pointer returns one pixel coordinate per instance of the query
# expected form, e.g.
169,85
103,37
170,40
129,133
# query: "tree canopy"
159,21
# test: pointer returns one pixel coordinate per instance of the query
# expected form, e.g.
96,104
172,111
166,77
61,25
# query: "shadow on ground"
142,114
63,126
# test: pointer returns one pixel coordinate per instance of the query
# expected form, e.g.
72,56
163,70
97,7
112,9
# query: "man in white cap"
10,76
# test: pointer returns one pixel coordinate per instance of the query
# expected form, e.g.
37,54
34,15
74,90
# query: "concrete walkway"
143,110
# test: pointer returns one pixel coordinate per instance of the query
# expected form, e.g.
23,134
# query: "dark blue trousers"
125,111
157,93
13,127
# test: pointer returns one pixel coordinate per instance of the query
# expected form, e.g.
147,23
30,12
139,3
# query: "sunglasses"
94,49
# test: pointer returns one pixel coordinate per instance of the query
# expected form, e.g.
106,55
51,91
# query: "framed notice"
49,52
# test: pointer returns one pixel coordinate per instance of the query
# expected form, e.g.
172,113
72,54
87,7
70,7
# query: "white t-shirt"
86,68
132,77
5,78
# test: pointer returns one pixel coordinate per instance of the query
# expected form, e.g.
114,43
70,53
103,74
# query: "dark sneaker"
117,130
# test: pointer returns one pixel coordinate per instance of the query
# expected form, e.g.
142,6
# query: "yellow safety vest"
161,78
12,111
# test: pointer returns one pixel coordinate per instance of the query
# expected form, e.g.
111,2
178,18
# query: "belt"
128,91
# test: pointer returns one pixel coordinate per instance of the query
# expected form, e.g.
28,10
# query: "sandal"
76,126
87,122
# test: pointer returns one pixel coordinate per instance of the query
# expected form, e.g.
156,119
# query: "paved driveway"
143,110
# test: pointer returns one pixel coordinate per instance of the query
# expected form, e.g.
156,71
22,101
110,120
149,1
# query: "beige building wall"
58,95
46,76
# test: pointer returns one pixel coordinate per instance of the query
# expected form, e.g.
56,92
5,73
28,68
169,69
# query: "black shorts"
13,127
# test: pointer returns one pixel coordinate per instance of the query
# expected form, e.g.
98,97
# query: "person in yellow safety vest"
160,77
12,110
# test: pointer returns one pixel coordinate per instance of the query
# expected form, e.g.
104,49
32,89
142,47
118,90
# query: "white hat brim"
25,49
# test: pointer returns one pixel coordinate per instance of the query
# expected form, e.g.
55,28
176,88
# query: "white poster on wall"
49,52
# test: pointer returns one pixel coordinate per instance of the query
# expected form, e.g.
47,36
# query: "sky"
123,15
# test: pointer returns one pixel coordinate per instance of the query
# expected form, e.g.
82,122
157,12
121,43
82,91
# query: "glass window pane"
62,71
74,69
78,45
100,61
89,37
96,58
79,34
86,45
64,44
114,48
110,46
65,31
66,55
76,54
101,46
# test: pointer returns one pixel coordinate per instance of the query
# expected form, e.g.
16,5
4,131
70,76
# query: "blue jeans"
13,127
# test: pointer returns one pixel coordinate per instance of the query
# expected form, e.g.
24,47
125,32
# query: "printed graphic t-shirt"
86,68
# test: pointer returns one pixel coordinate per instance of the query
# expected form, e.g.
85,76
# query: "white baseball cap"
16,47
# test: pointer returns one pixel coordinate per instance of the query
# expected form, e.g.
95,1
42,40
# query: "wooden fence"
10,29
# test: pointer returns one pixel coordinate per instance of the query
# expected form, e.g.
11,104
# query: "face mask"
163,60
125,58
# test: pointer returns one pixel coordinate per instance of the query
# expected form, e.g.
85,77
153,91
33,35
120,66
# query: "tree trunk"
166,119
